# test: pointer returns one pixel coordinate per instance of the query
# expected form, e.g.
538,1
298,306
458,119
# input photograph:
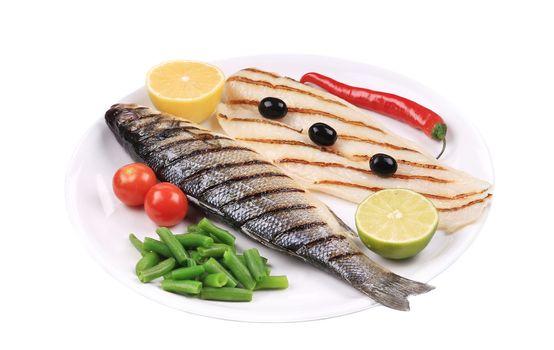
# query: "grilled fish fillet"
235,183
342,170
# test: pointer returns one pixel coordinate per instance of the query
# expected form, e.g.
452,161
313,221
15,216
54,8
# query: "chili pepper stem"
443,147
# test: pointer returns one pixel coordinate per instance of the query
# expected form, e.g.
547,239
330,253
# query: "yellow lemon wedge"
396,223
186,89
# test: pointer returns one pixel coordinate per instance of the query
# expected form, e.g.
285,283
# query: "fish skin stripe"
257,120
243,178
321,240
287,142
365,171
310,111
282,87
207,151
343,256
298,228
224,166
375,189
185,128
200,137
477,201
263,193
278,210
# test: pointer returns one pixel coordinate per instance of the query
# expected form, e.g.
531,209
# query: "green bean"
272,282
215,280
192,227
267,270
156,271
194,240
218,234
182,287
254,263
226,294
214,251
186,273
194,254
264,259
241,258
239,270
137,244
212,266
147,261
177,250
190,262
153,245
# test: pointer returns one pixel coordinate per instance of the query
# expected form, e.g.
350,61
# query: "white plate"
104,222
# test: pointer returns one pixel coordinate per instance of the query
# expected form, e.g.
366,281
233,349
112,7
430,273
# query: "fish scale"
243,189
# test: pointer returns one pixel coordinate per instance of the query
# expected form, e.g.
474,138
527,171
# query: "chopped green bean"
186,273
218,234
214,251
156,271
194,254
213,266
147,261
272,282
153,245
254,263
241,258
267,270
194,240
137,244
226,294
177,250
182,287
215,280
190,262
239,270
192,227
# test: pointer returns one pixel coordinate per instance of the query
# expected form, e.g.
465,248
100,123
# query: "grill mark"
283,87
243,178
321,240
256,120
264,193
298,228
207,151
465,205
200,137
312,112
375,189
288,142
259,71
171,129
418,165
364,171
223,166
278,210
373,142
343,256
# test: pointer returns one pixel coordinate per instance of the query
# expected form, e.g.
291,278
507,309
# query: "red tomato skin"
166,204
132,182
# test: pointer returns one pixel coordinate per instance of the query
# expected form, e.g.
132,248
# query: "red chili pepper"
391,105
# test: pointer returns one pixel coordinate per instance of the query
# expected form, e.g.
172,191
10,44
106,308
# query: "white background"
63,64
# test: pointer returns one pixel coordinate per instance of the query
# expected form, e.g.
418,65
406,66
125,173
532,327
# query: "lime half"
396,223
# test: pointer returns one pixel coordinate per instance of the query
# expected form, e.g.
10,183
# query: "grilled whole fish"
237,184
342,169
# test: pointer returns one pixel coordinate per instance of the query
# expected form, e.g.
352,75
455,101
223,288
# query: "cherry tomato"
132,182
166,204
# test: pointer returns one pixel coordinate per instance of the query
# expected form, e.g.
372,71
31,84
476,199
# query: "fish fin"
349,231
393,292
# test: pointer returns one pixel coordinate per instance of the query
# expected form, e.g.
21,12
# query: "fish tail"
393,291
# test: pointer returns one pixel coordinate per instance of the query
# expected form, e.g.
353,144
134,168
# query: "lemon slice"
396,223
186,89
